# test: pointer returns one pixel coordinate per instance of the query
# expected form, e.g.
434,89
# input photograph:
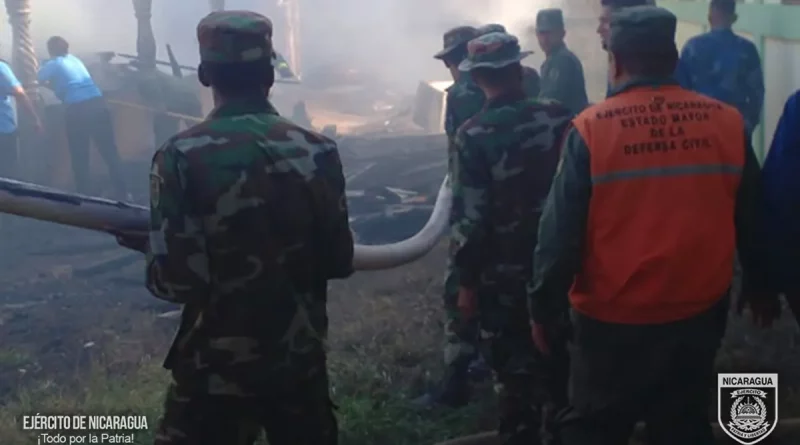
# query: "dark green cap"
642,29
455,38
549,20
234,36
493,50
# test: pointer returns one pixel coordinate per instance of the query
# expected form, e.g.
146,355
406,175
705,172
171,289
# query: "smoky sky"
393,40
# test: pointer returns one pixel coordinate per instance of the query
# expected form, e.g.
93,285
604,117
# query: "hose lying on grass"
787,429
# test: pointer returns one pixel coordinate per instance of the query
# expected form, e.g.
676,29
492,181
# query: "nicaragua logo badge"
747,406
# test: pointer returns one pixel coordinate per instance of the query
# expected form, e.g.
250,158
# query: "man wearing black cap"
610,7
723,65
645,214
464,99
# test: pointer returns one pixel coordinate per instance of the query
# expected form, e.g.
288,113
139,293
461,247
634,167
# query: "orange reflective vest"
666,165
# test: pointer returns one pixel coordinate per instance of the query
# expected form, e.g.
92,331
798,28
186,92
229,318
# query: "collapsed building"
392,146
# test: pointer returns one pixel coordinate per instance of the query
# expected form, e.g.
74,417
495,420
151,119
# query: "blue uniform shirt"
781,188
8,83
69,79
727,67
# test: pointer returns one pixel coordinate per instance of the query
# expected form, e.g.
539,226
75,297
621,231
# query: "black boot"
479,370
453,391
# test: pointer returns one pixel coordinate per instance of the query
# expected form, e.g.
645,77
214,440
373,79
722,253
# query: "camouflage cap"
234,36
454,38
642,29
493,50
549,20
492,27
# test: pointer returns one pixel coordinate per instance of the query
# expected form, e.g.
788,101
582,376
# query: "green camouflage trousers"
303,417
461,337
530,389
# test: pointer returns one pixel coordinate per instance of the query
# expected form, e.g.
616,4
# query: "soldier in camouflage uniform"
241,207
531,82
562,71
464,99
506,156
723,65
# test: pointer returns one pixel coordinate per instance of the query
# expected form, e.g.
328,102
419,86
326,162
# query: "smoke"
393,40
396,39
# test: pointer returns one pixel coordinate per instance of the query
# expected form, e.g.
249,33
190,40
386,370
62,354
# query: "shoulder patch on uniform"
155,189
156,180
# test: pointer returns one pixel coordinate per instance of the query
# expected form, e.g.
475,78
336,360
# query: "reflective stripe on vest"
666,165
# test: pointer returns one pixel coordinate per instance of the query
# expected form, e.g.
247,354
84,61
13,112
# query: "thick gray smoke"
397,38
390,39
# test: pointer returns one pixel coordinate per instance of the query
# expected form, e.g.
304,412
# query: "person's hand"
134,241
467,303
540,340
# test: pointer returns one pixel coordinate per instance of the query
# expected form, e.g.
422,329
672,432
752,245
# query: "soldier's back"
519,142
253,177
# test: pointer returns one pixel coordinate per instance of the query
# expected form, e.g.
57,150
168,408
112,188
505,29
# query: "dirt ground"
79,332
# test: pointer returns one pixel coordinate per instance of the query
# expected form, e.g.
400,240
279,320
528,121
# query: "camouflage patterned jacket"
727,67
248,222
465,99
506,157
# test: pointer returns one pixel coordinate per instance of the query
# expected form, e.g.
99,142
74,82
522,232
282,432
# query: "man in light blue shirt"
10,87
87,116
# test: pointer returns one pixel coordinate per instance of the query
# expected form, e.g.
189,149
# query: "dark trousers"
86,122
660,374
302,417
8,155
530,388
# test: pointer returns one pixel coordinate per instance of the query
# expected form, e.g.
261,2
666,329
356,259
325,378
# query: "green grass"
385,347
11,358
380,417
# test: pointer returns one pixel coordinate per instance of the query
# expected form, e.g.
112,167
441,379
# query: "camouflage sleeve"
562,232
469,215
177,260
463,104
449,119
754,82
333,218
